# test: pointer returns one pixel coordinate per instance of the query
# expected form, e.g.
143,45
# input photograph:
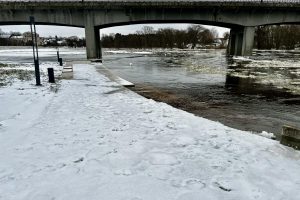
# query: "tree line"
278,37
266,37
147,37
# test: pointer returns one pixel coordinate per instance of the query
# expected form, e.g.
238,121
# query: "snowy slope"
93,139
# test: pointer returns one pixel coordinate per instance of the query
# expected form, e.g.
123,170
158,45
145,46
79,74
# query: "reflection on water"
260,93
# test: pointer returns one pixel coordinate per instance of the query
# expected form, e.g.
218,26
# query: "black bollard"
57,55
60,62
51,75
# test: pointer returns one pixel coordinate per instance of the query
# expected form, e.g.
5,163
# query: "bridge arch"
235,48
200,22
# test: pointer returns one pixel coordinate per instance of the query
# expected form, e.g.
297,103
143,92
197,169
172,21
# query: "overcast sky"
45,31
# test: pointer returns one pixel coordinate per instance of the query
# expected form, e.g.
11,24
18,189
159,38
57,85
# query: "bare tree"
194,35
214,32
148,30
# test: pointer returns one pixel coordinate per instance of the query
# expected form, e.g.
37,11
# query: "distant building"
5,36
220,42
27,38
17,37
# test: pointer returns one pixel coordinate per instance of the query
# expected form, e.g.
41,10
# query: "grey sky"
45,31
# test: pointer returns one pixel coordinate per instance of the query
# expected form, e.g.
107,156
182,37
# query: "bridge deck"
6,4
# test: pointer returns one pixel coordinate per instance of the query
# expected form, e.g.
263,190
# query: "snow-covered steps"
103,70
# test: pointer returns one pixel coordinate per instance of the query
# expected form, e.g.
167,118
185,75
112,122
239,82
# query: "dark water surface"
258,94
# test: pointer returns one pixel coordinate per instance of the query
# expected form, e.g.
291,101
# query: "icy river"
257,94
260,93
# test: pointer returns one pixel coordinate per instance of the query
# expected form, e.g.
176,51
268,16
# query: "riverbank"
94,139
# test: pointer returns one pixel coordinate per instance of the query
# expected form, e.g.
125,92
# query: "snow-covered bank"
93,139
43,51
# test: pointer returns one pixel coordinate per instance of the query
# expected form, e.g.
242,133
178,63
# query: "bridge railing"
156,2
220,1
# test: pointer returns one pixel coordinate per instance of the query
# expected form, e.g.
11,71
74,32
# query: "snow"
124,82
129,52
242,58
43,52
267,135
94,139
117,51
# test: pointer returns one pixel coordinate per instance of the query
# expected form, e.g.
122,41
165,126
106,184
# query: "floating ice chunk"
143,52
117,51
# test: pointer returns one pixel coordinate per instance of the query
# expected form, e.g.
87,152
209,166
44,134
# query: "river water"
260,93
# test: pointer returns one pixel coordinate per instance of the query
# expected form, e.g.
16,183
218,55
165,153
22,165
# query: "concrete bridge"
241,16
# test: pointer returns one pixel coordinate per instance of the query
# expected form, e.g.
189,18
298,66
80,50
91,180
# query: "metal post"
51,75
60,62
35,51
57,55
57,49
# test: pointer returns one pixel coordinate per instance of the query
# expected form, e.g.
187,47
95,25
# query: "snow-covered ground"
93,139
44,52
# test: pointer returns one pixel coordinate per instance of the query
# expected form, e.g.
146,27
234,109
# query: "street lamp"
35,50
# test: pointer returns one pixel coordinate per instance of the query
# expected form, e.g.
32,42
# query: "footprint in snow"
78,160
160,172
122,127
60,165
166,115
163,159
183,141
101,136
37,195
171,126
193,183
217,167
123,172
223,186
133,198
147,111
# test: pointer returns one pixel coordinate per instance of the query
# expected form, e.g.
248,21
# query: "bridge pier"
93,47
241,41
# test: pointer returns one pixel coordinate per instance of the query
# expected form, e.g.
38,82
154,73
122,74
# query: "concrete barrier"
290,137
67,72
103,70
